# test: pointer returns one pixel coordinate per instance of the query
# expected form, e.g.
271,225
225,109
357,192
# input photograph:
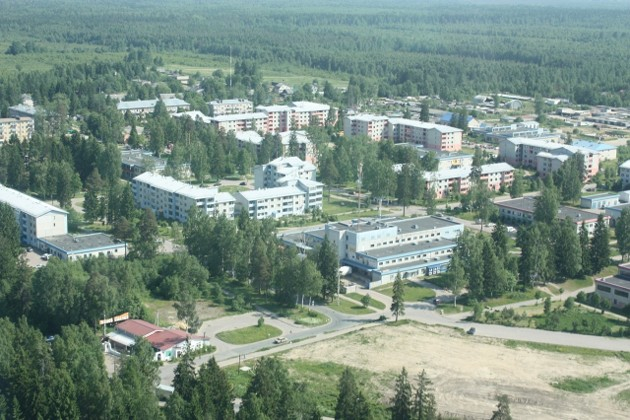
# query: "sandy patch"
468,372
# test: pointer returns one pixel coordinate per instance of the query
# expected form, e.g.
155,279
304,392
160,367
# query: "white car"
280,340
511,229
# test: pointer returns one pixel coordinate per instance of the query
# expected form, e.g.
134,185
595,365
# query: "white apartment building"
230,106
624,173
305,145
143,107
281,170
35,218
271,202
431,136
301,114
373,126
172,199
22,127
256,121
446,182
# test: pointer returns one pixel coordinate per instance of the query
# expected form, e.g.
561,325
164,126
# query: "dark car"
243,183
471,331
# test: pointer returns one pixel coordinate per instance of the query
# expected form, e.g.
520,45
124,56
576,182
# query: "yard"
376,304
414,292
249,334
349,307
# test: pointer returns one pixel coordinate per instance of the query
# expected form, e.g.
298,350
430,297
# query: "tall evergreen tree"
503,409
403,187
600,248
402,403
568,252
398,298
424,112
585,247
214,391
145,244
424,406
351,404
501,241
622,233
518,186
456,276
328,266
273,389
547,204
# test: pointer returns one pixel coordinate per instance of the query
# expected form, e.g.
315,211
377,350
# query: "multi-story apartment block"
305,146
521,210
282,170
624,173
446,160
36,218
230,106
137,162
173,199
381,249
446,182
173,105
431,136
271,202
545,156
21,127
256,121
294,116
373,126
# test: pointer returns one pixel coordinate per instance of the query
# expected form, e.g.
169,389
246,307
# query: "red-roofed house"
167,344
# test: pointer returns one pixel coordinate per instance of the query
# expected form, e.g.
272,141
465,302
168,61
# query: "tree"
90,206
145,243
9,230
401,403
570,177
503,409
351,404
398,298
186,309
424,112
585,247
600,248
271,389
424,406
365,300
517,188
536,256
568,252
455,276
622,233
185,378
328,266
404,187
429,200
547,204
214,391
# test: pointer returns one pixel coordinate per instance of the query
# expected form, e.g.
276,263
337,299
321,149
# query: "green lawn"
574,284
624,397
373,302
348,307
584,385
514,297
308,317
249,334
413,291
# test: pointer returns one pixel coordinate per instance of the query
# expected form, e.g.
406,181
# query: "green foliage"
402,401
351,403
503,409
584,385
249,334
398,298
600,248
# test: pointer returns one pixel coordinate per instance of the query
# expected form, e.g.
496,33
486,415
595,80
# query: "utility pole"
359,182
230,68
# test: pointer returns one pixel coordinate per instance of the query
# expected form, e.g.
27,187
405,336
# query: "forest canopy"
453,49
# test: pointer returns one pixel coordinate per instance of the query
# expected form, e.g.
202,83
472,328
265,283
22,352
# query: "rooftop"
229,101
416,224
407,248
238,117
79,243
617,281
601,196
150,103
310,106
25,203
194,115
625,165
167,183
249,136
367,117
139,158
527,204
425,125
137,327
270,193
598,147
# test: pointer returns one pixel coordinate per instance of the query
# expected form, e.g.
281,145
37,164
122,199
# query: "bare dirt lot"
469,371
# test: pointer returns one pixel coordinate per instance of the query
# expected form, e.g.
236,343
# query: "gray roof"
601,196
270,193
81,243
528,204
150,103
421,224
407,248
616,281
26,204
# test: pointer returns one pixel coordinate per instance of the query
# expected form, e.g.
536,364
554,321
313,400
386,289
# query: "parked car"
511,229
280,340
243,183
471,331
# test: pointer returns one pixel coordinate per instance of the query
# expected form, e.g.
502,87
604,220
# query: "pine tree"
215,391
456,276
185,379
424,406
424,112
495,281
585,246
91,206
398,298
401,403
145,244
351,404
501,241
568,252
328,266
503,409
622,233
600,248
517,188
547,204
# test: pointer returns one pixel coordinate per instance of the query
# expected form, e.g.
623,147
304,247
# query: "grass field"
514,297
308,317
413,291
377,304
249,334
584,385
346,306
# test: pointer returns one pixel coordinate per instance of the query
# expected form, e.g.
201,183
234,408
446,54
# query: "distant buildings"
21,127
373,126
281,171
624,174
599,201
458,181
230,106
381,249
143,107
137,162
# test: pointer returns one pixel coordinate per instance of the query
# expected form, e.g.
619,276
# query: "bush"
261,322
581,297
569,303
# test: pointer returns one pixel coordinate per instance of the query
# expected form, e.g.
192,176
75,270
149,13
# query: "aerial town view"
343,209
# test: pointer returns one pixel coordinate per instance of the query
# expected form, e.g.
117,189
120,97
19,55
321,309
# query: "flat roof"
81,243
310,106
249,136
238,117
600,196
618,206
167,183
527,204
407,248
425,125
138,157
25,203
600,147
616,281
367,117
229,101
149,103
270,193
416,224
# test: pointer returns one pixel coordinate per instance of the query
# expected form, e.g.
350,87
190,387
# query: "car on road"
511,229
280,340
243,183
471,331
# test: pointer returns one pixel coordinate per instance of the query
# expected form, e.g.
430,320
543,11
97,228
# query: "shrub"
261,322
569,303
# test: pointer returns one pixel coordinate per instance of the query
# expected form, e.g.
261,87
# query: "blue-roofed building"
448,116
606,151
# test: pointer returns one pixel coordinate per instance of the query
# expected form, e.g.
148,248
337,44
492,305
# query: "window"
603,288
621,293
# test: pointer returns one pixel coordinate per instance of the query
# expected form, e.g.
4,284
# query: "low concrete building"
521,210
599,201
615,289
75,247
614,212
144,107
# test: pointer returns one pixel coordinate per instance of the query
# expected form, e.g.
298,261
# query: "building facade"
449,181
75,247
230,106
373,126
431,136
271,202
21,127
599,201
144,107
615,289
173,199
281,170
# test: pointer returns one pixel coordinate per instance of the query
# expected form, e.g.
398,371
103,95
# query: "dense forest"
405,48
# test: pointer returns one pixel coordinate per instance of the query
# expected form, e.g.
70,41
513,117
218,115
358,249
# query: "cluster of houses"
286,186
45,228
